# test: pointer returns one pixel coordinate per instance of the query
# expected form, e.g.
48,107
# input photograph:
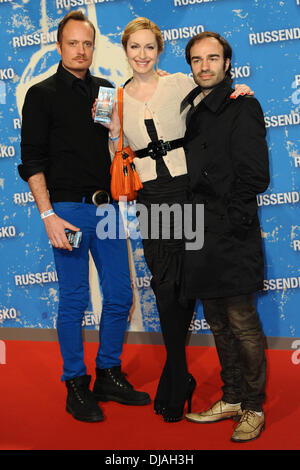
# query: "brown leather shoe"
250,427
220,410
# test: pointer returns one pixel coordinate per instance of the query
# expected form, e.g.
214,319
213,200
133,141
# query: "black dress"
164,257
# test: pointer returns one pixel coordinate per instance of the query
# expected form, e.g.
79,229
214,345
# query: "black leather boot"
81,402
111,384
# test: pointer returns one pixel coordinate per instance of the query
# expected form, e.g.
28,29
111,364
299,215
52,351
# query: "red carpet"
33,417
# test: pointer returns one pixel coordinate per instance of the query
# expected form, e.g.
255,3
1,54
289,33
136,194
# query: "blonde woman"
154,129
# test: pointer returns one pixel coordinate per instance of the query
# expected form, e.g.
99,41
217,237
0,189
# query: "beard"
210,86
216,79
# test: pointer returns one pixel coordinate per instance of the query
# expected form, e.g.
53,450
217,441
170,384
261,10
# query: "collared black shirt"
84,87
59,137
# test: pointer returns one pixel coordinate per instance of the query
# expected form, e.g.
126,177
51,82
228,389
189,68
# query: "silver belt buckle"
100,198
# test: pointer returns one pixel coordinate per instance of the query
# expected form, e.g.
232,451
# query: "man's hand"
55,228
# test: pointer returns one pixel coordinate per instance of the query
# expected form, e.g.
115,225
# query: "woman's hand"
241,90
162,73
114,124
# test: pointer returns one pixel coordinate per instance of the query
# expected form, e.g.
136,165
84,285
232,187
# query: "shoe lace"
247,416
81,392
121,378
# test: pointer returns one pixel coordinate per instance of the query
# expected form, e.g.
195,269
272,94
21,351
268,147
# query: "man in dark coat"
227,159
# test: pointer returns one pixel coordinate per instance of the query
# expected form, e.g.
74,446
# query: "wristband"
113,138
47,213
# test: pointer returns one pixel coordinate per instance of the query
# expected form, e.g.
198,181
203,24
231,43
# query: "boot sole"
91,419
173,420
122,401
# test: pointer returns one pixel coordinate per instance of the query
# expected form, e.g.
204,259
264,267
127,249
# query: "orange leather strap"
120,111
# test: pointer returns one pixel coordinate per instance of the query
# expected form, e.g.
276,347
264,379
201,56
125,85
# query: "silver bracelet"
47,213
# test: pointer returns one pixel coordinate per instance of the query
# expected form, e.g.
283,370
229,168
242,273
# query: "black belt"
159,148
97,197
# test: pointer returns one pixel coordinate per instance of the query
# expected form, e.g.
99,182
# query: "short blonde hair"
73,15
143,23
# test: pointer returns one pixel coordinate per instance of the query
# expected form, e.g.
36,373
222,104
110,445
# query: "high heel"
173,414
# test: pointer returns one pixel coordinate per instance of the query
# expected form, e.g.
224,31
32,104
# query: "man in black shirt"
66,161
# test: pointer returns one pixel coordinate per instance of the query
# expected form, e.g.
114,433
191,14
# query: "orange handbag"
125,182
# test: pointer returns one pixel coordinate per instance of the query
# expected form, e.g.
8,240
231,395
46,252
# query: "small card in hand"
104,104
74,238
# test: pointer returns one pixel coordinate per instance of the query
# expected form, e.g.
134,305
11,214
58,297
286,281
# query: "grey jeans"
240,344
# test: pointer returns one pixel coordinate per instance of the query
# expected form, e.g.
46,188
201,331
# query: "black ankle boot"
160,406
162,396
81,402
111,384
172,414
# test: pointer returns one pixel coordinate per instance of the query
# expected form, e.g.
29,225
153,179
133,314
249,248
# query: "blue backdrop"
264,36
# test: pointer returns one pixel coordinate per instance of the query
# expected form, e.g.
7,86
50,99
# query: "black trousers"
239,340
165,257
175,314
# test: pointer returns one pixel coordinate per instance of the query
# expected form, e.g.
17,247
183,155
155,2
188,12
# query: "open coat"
227,161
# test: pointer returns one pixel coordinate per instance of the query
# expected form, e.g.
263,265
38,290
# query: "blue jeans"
111,260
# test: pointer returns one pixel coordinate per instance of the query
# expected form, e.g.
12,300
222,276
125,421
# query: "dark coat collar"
213,100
